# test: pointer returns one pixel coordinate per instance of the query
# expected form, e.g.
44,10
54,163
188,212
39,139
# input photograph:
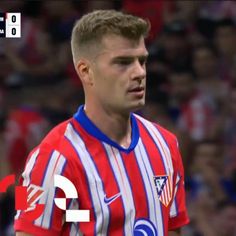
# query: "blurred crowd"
191,90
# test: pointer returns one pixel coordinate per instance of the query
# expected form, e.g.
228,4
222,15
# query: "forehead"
115,45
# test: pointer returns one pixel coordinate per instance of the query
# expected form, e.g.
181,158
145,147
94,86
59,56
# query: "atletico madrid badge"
163,185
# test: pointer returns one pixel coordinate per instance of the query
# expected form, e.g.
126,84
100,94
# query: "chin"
139,105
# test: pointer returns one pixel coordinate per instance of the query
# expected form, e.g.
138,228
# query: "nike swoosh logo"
111,199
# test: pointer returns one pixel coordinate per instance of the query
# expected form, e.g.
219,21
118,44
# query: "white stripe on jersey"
160,142
55,166
95,182
74,228
163,148
147,174
124,186
118,168
29,167
48,211
27,172
147,182
173,208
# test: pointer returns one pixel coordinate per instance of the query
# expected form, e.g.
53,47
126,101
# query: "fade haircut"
90,29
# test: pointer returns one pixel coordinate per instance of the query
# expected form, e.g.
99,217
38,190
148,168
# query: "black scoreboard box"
10,25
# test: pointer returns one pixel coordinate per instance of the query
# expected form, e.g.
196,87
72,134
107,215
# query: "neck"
113,124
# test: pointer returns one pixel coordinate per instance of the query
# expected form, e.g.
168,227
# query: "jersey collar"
93,130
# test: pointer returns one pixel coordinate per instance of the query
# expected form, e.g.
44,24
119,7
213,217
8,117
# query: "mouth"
137,91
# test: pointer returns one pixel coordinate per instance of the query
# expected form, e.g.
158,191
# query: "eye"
143,61
124,62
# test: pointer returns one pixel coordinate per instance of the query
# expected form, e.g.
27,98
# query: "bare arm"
176,232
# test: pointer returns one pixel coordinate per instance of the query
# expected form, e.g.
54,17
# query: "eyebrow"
118,58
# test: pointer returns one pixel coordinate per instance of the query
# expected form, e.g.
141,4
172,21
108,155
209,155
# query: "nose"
138,70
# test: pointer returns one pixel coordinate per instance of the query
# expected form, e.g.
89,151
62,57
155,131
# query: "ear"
84,71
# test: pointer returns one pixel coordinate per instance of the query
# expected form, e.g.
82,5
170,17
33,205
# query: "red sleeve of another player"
41,167
178,212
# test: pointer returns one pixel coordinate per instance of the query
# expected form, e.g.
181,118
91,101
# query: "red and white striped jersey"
129,191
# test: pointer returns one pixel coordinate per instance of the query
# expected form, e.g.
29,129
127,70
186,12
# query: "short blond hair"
90,29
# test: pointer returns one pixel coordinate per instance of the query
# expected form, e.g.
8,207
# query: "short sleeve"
178,213
38,176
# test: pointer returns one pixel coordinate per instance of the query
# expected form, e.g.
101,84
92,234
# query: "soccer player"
126,170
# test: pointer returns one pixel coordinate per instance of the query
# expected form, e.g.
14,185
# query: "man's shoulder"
55,140
156,128
55,135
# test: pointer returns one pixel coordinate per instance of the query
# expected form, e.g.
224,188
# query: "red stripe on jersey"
118,166
55,166
101,161
81,183
152,151
156,163
38,171
138,191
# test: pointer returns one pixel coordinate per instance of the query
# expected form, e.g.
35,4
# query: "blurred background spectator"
191,90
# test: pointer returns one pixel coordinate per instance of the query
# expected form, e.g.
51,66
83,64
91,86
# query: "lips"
137,92
136,89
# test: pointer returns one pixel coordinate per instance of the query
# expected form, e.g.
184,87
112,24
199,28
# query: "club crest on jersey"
164,188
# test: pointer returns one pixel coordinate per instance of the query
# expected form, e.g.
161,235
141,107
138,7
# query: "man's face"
119,71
